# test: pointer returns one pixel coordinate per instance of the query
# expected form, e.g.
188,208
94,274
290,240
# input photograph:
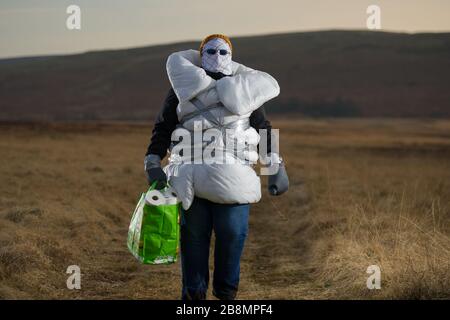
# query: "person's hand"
156,175
154,172
279,182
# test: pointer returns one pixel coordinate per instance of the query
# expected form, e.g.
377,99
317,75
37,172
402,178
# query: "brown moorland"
321,74
363,192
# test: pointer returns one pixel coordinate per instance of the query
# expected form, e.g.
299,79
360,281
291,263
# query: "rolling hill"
321,74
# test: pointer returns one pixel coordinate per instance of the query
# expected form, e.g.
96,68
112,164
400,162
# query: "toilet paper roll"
155,197
161,197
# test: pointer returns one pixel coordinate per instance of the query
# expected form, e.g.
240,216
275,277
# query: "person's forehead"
216,43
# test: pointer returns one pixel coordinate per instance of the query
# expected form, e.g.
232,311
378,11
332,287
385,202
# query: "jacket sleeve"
165,124
258,121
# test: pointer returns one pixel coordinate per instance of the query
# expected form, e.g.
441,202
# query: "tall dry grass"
362,193
380,196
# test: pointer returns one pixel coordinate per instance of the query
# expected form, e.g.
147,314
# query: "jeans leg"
195,236
230,223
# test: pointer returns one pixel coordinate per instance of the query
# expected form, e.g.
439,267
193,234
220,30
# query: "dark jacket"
167,121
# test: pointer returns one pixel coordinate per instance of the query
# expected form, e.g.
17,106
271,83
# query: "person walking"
211,91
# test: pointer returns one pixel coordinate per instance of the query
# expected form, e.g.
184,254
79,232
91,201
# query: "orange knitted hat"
216,35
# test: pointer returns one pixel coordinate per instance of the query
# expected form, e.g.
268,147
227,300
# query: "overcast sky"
36,27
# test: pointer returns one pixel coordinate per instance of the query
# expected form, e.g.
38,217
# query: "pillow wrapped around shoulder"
186,77
246,91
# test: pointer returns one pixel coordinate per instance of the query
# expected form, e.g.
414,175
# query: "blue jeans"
230,225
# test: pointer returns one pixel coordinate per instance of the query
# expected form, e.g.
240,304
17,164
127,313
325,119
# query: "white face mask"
215,60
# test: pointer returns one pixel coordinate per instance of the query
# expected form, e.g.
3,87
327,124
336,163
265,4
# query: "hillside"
327,73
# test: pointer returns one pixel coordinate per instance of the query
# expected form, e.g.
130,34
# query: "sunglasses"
222,52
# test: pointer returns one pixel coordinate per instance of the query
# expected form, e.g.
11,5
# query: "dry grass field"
363,192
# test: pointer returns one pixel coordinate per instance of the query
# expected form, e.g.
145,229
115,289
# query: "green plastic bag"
154,232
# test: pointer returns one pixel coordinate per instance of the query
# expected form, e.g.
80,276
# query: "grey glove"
279,182
154,172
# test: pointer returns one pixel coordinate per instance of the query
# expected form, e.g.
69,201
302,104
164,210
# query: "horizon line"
169,43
